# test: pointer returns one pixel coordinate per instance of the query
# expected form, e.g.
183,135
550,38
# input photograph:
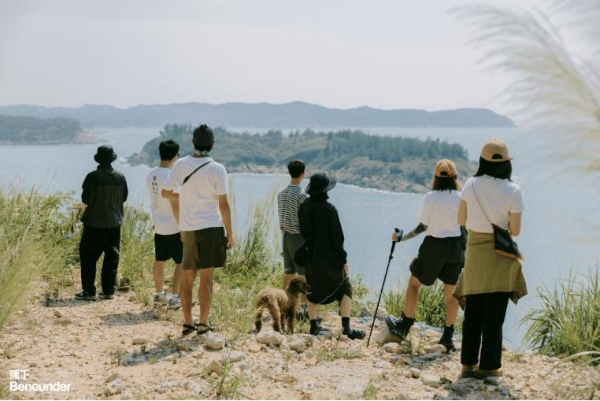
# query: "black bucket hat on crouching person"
105,155
320,183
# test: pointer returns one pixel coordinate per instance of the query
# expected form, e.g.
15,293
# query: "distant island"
295,115
23,130
396,164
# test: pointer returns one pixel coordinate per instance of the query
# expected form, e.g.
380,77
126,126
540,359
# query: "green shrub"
28,236
136,256
568,322
431,307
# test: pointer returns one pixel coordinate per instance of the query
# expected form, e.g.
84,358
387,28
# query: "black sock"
346,324
408,319
313,325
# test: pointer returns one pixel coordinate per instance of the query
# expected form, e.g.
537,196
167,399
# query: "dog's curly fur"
280,304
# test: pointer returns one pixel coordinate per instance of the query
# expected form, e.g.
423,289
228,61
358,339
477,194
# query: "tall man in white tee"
165,212
204,222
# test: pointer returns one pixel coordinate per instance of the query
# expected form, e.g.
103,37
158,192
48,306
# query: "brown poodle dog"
281,304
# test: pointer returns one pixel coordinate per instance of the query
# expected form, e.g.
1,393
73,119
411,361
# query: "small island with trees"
398,164
24,130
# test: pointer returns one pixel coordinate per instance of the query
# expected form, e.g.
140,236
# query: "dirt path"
118,349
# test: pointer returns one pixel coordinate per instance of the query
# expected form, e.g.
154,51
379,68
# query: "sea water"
560,228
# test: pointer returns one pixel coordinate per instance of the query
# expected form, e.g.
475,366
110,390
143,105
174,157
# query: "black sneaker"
400,327
354,334
85,296
446,339
106,296
320,330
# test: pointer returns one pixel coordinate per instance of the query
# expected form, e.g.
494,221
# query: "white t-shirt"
162,212
198,198
439,213
497,197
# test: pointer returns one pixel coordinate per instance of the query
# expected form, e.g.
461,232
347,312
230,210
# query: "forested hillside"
30,130
264,115
387,163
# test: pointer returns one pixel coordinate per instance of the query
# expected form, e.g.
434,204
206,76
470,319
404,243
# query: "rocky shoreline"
118,349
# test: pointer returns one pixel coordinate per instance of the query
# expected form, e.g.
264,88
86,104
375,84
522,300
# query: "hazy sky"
386,54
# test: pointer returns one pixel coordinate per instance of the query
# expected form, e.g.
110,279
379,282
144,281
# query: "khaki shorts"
204,248
291,243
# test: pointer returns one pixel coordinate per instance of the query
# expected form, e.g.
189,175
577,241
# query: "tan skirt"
485,271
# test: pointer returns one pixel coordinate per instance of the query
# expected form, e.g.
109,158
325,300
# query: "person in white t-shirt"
441,255
204,222
165,212
488,280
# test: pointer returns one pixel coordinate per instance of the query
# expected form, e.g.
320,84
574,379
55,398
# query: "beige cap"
492,147
445,168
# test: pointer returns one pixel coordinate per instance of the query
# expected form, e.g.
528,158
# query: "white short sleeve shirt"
162,212
439,213
497,198
199,196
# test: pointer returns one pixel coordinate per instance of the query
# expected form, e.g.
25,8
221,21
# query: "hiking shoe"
85,296
354,334
446,339
160,299
174,303
320,330
400,327
106,296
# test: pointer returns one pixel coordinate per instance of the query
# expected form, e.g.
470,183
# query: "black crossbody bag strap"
484,213
192,173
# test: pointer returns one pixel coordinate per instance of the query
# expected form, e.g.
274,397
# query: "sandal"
203,328
188,329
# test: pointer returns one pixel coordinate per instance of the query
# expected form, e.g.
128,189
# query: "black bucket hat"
320,183
105,155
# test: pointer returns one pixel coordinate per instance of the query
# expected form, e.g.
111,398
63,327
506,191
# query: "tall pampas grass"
551,86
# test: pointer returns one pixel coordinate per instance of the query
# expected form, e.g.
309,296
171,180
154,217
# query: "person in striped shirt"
288,202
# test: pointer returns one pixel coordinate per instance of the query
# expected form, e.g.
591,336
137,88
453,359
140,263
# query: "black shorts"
441,258
204,248
168,247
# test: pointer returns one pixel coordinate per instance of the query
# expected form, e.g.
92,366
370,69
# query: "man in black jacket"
104,192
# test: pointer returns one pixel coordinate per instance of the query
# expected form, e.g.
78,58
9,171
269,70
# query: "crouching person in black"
327,268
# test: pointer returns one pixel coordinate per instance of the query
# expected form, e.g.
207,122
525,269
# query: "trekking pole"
399,232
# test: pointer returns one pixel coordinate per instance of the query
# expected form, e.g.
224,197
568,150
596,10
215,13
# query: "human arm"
462,213
514,223
337,234
88,185
170,194
416,231
226,215
175,208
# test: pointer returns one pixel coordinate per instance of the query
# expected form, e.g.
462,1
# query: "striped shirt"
288,202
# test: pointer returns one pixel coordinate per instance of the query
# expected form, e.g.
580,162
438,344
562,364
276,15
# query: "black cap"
319,183
105,155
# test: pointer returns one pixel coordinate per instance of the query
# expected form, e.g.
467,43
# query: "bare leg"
159,275
345,305
451,305
205,293
188,277
177,278
412,297
312,311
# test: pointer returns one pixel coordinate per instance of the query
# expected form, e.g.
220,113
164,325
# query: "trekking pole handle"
399,232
